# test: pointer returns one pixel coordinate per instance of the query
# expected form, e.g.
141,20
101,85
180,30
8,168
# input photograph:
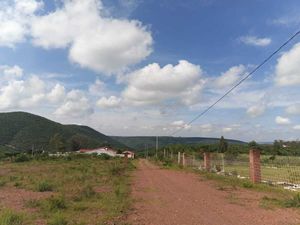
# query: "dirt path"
165,197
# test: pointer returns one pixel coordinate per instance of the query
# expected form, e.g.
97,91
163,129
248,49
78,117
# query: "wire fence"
275,170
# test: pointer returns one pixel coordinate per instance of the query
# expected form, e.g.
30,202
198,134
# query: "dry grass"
82,190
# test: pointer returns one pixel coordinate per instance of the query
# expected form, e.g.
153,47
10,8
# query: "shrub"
56,203
104,156
58,219
247,184
8,217
44,186
22,158
2,183
294,202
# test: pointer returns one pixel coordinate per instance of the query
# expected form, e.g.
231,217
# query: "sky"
148,67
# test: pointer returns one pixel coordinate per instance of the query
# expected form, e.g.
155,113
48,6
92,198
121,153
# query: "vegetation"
139,143
31,133
77,189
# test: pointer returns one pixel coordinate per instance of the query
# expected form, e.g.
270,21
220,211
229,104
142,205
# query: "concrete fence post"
183,159
179,158
254,165
207,159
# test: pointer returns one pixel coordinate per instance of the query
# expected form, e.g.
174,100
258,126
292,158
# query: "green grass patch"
43,186
9,217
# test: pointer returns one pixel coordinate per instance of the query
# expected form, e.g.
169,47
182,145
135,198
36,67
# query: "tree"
223,146
57,143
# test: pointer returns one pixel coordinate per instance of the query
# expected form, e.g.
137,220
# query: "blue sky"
137,67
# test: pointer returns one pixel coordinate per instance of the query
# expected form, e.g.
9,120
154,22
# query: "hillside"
139,142
20,131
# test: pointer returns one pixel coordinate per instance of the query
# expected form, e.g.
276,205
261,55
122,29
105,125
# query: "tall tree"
223,146
57,143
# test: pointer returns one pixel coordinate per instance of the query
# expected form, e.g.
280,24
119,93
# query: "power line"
240,82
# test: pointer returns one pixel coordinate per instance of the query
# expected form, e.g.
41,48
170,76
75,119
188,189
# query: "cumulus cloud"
282,120
15,20
11,72
293,109
180,124
111,102
230,76
75,104
288,67
57,94
256,110
296,127
255,41
94,41
154,84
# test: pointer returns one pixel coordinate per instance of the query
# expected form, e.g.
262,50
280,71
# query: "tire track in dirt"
166,197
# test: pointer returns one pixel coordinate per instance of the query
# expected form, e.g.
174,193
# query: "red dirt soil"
166,197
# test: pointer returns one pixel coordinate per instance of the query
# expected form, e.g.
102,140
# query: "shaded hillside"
138,143
22,131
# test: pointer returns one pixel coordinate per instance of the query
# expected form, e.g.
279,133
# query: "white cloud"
227,129
95,42
288,67
282,120
22,93
97,88
57,94
256,110
10,72
111,102
76,104
296,127
293,109
255,41
230,76
15,19
180,124
154,84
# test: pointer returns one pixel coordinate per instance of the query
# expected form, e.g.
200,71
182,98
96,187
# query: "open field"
75,190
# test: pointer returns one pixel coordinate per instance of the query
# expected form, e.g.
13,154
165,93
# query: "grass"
79,191
9,217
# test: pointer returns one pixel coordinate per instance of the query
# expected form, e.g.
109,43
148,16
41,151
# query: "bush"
294,202
104,157
22,158
8,217
58,219
56,203
247,184
44,186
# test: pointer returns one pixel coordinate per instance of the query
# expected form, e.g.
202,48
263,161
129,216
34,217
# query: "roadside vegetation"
75,189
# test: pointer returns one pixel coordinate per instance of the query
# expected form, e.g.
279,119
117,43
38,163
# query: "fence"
278,171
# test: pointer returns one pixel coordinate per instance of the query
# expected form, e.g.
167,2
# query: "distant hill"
20,131
138,142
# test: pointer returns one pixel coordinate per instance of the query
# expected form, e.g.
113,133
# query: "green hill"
138,143
20,131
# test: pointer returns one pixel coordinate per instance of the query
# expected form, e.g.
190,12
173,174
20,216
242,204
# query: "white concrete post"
179,158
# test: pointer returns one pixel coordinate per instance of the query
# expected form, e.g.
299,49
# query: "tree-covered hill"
140,142
20,131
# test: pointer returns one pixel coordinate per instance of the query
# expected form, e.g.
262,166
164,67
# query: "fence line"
277,171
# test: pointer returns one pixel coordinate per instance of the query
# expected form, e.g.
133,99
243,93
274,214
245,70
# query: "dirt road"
165,197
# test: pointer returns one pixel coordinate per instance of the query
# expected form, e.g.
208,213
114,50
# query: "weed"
247,184
58,219
2,183
8,217
56,203
294,202
44,186
32,203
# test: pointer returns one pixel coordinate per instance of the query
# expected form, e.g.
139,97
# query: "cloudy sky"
147,67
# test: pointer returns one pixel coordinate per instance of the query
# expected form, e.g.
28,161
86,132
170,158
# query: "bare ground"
166,197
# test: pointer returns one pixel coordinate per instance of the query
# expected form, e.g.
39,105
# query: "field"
281,169
65,191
